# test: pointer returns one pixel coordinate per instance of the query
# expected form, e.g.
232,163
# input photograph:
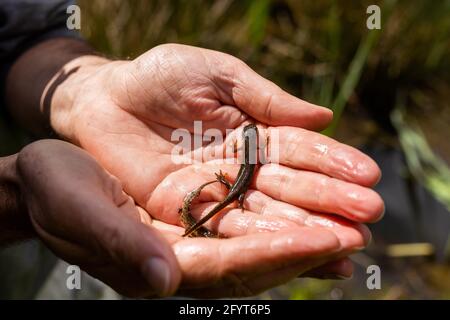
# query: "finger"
303,149
319,192
270,216
205,261
352,236
230,222
313,191
235,222
237,287
238,84
340,269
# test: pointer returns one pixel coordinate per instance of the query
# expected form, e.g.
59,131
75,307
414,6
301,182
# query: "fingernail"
156,272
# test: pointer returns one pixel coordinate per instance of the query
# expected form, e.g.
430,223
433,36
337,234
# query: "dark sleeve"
23,23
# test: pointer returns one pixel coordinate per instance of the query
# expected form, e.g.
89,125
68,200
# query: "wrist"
66,89
15,224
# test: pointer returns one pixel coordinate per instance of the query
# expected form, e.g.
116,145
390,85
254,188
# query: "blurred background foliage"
388,88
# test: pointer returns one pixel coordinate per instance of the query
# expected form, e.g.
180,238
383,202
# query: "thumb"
265,101
136,246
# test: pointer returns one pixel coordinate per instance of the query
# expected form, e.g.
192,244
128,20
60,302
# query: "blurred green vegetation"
378,82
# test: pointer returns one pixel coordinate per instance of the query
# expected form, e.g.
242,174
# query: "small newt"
238,189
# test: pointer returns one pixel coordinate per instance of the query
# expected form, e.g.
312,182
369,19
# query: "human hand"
124,112
81,213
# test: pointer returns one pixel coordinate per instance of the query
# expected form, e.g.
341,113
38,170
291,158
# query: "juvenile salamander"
241,184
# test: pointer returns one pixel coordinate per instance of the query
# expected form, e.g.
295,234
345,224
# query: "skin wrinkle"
182,62
159,75
129,96
292,145
165,88
239,80
202,110
231,113
263,208
207,106
248,221
125,83
120,198
224,83
288,180
281,187
278,181
268,106
320,191
209,69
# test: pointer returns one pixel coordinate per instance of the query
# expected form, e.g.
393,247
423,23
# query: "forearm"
41,72
14,220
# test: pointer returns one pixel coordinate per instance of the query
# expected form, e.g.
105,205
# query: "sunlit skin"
123,113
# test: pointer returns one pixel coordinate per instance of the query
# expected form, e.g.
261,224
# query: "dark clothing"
24,23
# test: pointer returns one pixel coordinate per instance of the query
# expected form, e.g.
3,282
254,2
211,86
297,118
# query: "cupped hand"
124,113
286,240
82,214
